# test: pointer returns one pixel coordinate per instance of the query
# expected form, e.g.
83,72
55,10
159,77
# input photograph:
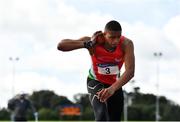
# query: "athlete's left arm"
129,61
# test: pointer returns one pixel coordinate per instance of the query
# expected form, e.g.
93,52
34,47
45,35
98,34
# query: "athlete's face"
112,37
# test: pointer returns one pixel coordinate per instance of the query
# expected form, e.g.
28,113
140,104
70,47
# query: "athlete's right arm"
72,44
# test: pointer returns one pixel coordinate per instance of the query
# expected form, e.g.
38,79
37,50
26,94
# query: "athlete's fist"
96,39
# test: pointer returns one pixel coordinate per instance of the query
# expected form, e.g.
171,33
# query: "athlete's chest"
103,55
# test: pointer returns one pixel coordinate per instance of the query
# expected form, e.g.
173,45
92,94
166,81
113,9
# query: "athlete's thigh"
99,108
93,86
115,105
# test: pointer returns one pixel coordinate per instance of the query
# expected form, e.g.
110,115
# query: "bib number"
108,69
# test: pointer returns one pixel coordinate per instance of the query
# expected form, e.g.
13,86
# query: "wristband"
88,44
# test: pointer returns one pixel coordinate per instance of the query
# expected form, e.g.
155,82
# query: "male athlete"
109,50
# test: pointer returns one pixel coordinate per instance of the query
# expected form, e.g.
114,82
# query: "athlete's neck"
109,48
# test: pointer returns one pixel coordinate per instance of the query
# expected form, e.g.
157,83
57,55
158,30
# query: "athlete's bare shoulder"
127,43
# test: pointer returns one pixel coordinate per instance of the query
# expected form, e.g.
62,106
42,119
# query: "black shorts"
111,110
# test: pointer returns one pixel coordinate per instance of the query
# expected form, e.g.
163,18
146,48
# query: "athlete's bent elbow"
132,73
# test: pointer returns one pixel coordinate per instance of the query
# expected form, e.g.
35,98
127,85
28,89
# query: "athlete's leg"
115,106
99,108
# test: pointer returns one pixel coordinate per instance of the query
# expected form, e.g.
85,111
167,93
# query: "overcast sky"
31,30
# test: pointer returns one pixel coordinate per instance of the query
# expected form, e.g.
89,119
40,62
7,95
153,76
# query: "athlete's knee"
100,111
101,116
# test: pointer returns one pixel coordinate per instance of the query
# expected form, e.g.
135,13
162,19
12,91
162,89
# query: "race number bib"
108,69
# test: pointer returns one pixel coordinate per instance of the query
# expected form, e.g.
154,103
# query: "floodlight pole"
158,56
13,60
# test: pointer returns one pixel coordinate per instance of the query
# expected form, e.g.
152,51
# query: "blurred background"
30,62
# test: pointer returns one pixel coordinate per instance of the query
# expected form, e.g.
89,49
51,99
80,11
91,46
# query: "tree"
142,107
4,114
48,99
48,114
47,103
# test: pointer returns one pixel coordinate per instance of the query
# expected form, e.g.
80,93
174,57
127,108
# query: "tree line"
141,107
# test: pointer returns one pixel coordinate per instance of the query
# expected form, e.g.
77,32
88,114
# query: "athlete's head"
113,26
112,33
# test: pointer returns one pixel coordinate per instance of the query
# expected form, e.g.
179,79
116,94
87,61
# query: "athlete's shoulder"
127,41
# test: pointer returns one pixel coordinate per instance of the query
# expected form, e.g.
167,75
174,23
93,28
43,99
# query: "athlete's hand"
105,93
97,38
